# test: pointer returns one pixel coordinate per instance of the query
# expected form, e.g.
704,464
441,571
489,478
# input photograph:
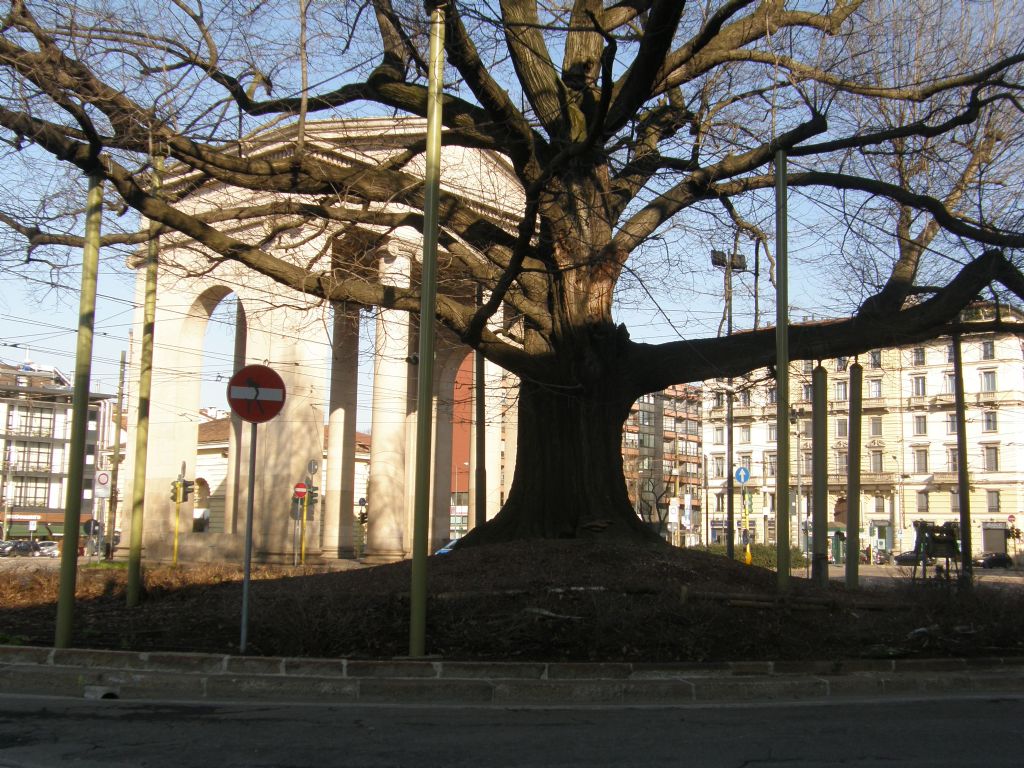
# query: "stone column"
339,470
387,484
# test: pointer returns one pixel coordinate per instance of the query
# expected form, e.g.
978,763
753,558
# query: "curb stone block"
462,670
255,665
584,671
186,662
281,689
659,692
389,669
559,692
76,657
315,667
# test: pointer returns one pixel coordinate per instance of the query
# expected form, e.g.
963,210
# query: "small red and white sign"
300,490
256,393
1011,519
101,486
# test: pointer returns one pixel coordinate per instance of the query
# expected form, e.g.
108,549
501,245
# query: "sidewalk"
192,677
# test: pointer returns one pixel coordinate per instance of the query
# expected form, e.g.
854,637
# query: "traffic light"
174,491
311,497
296,510
362,516
187,487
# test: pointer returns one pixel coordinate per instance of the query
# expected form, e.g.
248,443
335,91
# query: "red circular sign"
256,393
300,490
1011,518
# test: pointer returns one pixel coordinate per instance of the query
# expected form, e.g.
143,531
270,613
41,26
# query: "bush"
762,555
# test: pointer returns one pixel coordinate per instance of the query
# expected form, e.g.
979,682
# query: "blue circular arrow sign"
742,475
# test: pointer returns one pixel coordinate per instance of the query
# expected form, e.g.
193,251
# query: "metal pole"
247,563
782,534
819,473
79,414
134,589
108,529
480,419
302,525
962,478
853,476
428,302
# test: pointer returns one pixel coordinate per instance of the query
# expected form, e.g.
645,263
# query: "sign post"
256,393
742,476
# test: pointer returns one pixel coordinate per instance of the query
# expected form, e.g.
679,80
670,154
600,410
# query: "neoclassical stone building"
287,331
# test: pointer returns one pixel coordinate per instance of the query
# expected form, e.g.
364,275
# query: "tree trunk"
568,479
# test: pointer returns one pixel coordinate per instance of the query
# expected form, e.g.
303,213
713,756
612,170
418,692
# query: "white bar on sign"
250,393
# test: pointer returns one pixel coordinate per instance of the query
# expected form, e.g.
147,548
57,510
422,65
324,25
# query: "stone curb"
194,676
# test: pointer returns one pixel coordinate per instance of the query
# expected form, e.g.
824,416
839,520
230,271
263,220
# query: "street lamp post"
736,262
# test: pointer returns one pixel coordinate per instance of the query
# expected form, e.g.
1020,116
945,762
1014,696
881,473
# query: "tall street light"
737,262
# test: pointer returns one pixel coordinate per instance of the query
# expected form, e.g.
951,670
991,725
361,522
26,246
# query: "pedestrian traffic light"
296,510
186,488
362,516
174,491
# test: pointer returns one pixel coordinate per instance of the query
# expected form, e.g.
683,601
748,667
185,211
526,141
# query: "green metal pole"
853,476
819,487
428,302
142,421
782,534
79,414
962,477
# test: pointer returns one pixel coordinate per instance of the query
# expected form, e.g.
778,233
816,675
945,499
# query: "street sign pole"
302,527
247,562
257,394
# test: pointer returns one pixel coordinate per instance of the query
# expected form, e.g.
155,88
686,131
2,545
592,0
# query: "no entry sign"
300,490
256,393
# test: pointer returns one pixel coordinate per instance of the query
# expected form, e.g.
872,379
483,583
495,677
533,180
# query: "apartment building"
661,453
35,418
909,444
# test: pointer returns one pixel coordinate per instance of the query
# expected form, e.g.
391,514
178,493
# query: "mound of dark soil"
537,600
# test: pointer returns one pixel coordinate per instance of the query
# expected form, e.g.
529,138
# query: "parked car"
49,549
911,558
993,560
6,547
25,549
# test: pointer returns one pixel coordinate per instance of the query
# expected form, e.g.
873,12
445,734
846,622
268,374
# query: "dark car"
993,560
911,558
25,549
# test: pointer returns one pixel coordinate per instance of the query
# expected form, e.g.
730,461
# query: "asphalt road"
39,732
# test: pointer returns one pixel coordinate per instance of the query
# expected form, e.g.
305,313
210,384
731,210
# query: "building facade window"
842,462
841,391
922,502
875,461
949,384
988,381
719,438
991,421
773,432
745,433
951,423
718,466
874,388
745,461
920,424
950,352
842,363
988,350
875,426
771,464
842,427
991,454
875,358
918,385
773,395
32,492
918,356
808,392
992,497
954,501
920,460
952,456
744,397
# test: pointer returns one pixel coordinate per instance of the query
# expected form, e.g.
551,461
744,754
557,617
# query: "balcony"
877,478
945,478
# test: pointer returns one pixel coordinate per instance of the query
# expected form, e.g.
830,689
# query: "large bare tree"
635,128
